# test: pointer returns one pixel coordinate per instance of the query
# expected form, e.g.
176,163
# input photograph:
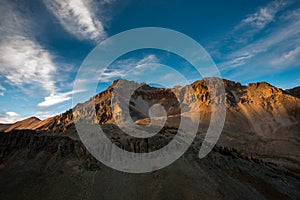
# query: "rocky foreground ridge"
256,157
260,118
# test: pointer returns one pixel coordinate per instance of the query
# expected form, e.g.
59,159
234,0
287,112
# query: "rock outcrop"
256,157
260,118
45,166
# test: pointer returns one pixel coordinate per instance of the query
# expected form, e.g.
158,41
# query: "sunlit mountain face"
43,44
261,147
218,118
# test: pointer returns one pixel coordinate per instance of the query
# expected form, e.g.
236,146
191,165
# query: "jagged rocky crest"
260,118
252,102
257,155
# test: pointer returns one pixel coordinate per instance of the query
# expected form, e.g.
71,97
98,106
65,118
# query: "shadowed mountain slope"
256,157
260,118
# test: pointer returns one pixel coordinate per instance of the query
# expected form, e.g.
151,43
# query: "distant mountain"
3,127
29,124
294,91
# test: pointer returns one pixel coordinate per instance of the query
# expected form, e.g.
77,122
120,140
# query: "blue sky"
43,44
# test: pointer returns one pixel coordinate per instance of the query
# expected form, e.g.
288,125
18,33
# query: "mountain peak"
262,89
28,123
264,96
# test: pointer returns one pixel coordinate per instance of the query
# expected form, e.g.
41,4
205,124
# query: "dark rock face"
256,157
294,91
40,165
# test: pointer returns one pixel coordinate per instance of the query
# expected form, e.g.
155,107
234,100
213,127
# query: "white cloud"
54,99
57,98
283,33
2,90
147,60
292,54
12,114
252,24
25,62
236,61
288,57
110,75
276,45
120,68
77,17
10,117
109,1
263,16
13,19
44,114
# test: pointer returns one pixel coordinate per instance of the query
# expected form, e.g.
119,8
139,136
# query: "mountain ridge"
235,93
257,155
260,118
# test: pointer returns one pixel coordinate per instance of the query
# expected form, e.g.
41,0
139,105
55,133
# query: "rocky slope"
255,103
260,118
294,91
45,166
29,124
256,157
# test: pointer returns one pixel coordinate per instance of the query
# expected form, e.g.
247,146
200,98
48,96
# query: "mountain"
3,127
257,112
256,157
29,124
294,91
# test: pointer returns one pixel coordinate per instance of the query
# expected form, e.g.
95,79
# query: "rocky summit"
256,157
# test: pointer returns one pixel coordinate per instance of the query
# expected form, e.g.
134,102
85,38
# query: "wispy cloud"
120,68
45,114
252,24
236,61
292,54
12,114
23,61
287,31
2,90
263,16
132,68
57,98
54,99
273,49
78,18
10,117
288,57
